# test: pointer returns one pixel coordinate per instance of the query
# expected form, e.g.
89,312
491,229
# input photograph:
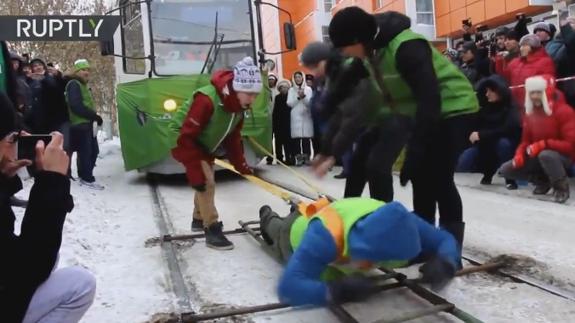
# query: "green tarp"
144,123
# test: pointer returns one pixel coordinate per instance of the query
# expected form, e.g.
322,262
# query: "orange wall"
366,5
450,13
302,12
392,5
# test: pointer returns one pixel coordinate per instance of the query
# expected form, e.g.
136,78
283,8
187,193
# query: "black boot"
486,180
215,239
510,184
197,225
457,230
561,190
542,185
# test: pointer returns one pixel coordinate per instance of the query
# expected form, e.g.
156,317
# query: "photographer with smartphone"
30,289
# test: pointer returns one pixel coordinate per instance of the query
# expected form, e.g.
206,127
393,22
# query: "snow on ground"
106,232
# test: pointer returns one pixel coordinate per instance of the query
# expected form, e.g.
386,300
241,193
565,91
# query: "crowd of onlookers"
37,99
506,69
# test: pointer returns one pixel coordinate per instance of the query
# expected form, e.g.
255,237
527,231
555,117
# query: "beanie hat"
81,64
513,35
531,40
542,26
314,53
350,26
38,60
543,83
7,116
247,77
470,45
501,31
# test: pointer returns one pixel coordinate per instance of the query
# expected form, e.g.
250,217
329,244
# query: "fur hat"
350,26
532,40
247,77
545,84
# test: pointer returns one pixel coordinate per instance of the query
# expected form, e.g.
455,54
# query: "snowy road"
107,230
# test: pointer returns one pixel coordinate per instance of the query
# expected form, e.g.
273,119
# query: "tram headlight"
170,105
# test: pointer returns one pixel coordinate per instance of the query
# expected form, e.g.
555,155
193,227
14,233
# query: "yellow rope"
291,170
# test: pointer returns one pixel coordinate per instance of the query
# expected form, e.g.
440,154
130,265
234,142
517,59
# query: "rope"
291,170
557,80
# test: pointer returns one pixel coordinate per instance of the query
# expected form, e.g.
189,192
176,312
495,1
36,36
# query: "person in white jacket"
299,98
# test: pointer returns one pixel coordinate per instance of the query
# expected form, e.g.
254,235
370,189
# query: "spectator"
45,107
8,83
543,32
497,132
310,81
299,98
469,66
272,84
547,148
533,61
281,124
562,51
511,43
82,118
30,291
24,95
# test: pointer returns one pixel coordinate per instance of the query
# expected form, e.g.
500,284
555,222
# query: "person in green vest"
328,246
83,117
412,95
214,122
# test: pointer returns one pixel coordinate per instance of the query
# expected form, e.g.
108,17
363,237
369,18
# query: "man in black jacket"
497,131
30,291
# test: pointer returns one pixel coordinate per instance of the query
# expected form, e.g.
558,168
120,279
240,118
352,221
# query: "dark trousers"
276,231
375,153
316,143
301,146
486,156
433,180
86,146
549,163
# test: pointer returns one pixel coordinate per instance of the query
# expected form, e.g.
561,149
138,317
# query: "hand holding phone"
52,157
27,145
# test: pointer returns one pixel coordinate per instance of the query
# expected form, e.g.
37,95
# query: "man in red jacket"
214,121
532,61
547,146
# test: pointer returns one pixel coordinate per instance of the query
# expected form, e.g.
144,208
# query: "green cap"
81,64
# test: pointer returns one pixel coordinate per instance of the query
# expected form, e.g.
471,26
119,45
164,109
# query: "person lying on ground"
547,148
329,246
214,121
31,290
496,133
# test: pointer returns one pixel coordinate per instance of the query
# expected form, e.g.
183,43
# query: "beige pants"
204,202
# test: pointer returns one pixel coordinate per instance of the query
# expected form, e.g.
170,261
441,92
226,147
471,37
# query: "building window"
378,4
327,4
424,9
325,34
133,38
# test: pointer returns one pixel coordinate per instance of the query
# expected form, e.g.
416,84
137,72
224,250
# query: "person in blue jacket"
328,246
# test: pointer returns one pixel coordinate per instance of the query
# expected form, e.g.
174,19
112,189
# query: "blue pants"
86,146
486,157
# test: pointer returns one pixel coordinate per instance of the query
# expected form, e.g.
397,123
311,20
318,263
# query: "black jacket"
281,117
28,259
497,120
11,80
415,65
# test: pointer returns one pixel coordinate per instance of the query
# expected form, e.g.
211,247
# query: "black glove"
437,272
99,120
351,289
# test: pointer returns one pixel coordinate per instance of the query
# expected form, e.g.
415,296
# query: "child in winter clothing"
327,246
547,148
299,98
214,121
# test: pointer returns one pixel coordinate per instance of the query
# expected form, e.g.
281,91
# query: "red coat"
556,130
188,152
521,68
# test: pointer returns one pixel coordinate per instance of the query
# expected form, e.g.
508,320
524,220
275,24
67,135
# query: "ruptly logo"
58,28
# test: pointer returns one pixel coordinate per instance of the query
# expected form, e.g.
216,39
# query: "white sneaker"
93,185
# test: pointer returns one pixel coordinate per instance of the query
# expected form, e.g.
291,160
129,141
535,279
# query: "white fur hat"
536,83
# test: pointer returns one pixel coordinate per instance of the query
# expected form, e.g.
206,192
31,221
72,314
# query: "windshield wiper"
212,44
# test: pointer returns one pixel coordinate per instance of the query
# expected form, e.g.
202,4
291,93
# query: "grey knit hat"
314,53
542,26
531,40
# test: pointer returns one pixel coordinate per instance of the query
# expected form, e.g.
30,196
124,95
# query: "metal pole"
233,312
418,314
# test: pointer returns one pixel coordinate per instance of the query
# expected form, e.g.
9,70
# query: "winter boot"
457,229
561,190
299,160
265,213
510,184
197,225
542,185
486,180
215,238
91,185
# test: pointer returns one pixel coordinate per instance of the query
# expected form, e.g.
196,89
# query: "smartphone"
27,145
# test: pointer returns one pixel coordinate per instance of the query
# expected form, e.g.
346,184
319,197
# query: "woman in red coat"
547,146
532,61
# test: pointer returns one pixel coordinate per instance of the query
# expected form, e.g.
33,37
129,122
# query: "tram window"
132,38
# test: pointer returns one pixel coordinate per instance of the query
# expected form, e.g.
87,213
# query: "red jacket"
188,152
556,130
521,68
